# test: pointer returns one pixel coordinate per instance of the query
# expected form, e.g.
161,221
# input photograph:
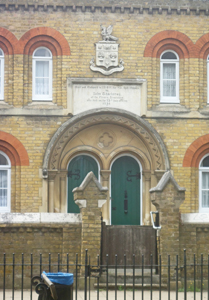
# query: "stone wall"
38,239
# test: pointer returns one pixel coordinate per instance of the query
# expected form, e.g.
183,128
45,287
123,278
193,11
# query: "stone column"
147,203
167,196
63,188
90,197
51,178
105,176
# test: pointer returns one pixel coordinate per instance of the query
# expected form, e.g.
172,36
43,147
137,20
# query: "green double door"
125,192
78,168
125,187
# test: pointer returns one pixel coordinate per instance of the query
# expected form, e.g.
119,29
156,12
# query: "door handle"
125,205
125,202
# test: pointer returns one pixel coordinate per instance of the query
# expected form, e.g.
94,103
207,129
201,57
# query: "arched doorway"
125,192
103,136
78,168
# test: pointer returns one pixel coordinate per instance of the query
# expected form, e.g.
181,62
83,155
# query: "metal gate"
128,240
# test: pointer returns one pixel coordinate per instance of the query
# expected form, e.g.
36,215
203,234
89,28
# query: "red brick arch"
203,46
14,149
196,151
43,36
170,40
8,41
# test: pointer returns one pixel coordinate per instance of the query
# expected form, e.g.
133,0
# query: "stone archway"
104,134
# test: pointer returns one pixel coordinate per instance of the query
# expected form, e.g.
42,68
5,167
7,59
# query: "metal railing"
189,279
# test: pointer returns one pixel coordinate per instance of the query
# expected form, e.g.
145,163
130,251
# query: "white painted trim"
8,169
202,170
35,59
168,61
28,218
141,186
67,170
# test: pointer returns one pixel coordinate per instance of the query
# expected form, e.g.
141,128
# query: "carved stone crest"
107,54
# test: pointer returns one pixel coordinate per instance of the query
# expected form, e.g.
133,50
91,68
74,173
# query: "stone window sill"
178,108
195,218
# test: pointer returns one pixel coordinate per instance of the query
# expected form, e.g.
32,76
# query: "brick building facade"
44,127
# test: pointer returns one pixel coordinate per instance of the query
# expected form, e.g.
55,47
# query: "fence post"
90,197
167,196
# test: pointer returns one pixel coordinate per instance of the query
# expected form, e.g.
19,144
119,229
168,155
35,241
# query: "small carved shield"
107,54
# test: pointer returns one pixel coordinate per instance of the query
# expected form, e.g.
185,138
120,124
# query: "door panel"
78,168
125,192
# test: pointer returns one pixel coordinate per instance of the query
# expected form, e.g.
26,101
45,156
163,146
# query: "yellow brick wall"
82,30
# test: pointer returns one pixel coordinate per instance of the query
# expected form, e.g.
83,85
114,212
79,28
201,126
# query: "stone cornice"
130,6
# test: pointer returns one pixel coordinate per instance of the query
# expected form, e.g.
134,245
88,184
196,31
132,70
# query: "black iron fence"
176,278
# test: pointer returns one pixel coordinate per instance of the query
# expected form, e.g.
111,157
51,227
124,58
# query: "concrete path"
111,295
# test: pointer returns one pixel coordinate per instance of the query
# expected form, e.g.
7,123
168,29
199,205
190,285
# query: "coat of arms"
107,54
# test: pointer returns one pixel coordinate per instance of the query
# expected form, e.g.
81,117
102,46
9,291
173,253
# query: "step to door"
120,286
129,279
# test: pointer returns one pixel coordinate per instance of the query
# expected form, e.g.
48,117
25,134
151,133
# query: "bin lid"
60,278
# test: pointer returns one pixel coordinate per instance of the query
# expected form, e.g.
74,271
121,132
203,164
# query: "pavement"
111,295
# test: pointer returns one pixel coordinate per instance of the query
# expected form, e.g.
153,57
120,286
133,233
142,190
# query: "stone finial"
167,192
90,189
167,176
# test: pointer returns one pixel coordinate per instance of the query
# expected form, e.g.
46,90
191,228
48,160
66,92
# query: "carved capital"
147,175
105,175
52,174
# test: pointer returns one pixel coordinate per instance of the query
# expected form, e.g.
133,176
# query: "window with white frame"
5,182
1,74
204,184
169,77
42,74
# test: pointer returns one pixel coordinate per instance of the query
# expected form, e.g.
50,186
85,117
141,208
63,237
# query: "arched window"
5,182
42,74
204,184
1,74
169,77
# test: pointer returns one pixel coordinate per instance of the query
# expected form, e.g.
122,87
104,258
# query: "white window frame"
8,169
201,171
2,75
36,59
169,99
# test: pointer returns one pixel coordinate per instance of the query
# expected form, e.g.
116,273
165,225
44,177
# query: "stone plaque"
84,96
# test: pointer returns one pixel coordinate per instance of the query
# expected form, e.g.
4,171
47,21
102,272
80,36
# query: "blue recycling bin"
60,278
63,283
